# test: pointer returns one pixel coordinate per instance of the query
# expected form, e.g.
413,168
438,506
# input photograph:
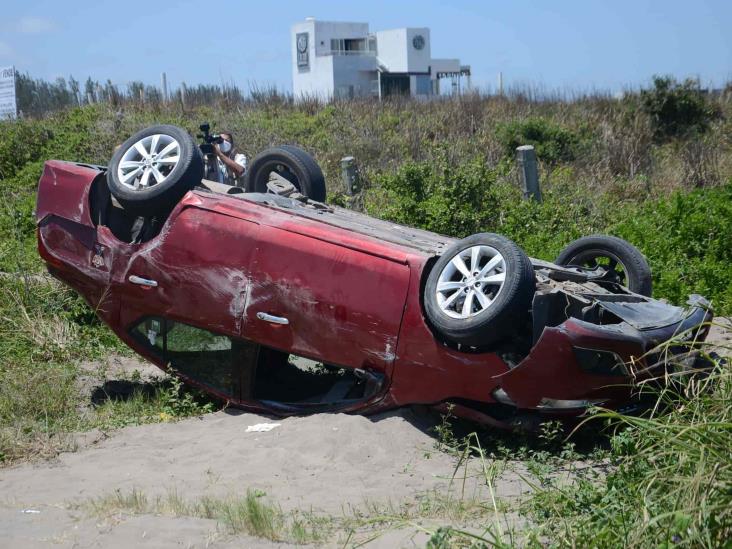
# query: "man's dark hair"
231,135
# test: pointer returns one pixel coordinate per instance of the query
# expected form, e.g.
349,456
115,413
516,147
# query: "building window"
372,44
348,46
424,85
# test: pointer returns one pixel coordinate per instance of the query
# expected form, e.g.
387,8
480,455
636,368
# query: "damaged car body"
285,305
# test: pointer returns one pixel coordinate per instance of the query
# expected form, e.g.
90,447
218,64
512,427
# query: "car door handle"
143,281
272,318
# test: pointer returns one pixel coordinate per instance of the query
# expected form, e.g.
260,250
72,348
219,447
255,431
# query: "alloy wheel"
471,281
148,162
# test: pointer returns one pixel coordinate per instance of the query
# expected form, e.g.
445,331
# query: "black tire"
509,307
291,162
585,251
158,198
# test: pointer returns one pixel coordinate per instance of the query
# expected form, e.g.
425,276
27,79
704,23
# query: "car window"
205,357
244,370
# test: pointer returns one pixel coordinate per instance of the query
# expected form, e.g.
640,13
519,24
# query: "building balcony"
363,53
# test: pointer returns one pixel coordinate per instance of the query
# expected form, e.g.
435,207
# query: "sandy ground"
329,463
720,335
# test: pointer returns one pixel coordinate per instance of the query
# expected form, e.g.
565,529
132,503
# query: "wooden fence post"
528,172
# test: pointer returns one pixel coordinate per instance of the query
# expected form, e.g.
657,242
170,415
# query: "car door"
196,271
316,298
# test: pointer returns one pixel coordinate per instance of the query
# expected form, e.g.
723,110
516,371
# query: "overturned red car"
282,304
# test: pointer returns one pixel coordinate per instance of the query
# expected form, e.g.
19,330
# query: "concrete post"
349,175
528,172
183,94
164,85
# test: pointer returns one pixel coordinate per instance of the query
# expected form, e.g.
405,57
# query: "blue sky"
576,45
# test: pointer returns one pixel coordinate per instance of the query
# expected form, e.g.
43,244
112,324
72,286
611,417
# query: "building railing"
350,52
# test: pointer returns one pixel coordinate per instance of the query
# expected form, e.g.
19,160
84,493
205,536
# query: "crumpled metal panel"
645,314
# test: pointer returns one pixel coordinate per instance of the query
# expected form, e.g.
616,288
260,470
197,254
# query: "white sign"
7,93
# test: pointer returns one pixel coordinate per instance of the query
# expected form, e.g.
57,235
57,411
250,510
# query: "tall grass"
669,483
672,480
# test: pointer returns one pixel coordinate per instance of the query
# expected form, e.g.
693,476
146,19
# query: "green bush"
437,196
687,237
21,142
553,143
677,109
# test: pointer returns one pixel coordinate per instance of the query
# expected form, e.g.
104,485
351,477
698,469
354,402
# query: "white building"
332,59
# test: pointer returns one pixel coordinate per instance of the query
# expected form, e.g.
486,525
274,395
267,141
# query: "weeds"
657,480
46,331
677,109
254,514
670,483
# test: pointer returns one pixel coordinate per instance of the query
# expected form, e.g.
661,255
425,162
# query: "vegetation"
256,515
670,484
552,142
653,167
662,478
677,109
47,335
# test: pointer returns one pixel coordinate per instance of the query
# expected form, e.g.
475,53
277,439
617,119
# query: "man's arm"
234,166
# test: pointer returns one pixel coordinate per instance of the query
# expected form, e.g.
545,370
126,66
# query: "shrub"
20,142
687,239
676,109
553,143
439,196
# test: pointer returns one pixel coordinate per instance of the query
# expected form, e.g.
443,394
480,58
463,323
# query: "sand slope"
327,463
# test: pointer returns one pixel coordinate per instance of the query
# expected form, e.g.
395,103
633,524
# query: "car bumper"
579,364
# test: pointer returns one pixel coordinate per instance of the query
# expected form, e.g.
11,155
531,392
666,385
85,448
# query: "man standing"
230,162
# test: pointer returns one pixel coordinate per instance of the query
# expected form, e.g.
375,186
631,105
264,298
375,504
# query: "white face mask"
225,146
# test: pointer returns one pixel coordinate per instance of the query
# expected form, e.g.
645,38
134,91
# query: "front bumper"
556,377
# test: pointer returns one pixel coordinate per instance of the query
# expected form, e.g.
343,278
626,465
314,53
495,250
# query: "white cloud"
35,25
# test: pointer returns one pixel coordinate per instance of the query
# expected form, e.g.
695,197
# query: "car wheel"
612,258
479,290
292,163
153,169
